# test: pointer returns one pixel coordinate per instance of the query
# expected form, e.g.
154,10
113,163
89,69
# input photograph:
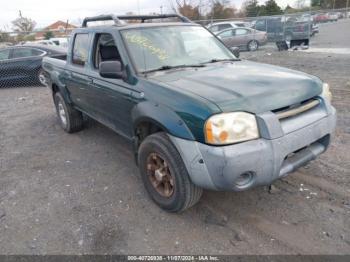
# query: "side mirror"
235,51
112,69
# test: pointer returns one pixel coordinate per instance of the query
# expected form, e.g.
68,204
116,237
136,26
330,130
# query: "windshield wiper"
168,67
220,60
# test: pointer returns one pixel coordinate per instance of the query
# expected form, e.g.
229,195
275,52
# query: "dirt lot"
82,194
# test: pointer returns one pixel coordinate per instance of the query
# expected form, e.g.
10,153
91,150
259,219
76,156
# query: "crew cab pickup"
197,117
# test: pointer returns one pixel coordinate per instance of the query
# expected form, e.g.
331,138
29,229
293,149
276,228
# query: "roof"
133,26
60,23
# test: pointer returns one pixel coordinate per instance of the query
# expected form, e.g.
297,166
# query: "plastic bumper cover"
219,168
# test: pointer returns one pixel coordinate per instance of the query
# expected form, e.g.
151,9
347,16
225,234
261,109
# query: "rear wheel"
253,45
71,120
165,176
42,78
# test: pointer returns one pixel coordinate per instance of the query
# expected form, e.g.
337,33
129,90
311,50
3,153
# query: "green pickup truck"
197,117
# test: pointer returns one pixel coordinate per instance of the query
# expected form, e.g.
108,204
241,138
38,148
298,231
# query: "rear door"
227,37
76,74
241,37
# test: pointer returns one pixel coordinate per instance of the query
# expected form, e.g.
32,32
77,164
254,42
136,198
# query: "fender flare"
55,81
162,116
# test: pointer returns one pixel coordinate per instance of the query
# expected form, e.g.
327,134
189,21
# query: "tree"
251,8
23,24
48,35
222,10
289,9
326,4
272,8
189,9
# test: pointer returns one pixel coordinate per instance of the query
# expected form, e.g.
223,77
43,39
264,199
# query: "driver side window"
105,49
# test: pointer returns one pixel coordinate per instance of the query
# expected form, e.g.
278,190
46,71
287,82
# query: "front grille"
297,109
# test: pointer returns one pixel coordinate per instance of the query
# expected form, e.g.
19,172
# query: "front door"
112,98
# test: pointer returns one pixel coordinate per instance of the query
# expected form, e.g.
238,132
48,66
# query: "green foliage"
252,8
327,4
48,35
219,9
272,8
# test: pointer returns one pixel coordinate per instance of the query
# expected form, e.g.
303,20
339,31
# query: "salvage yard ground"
82,193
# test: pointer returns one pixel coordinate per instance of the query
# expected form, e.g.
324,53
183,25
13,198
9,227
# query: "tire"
288,37
42,77
184,193
71,120
253,45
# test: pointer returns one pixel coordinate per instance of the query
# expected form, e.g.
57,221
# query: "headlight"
230,128
326,92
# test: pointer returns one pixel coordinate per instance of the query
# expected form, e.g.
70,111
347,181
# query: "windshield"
172,46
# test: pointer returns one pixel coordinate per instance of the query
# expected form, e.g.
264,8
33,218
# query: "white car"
43,42
219,26
60,41
333,17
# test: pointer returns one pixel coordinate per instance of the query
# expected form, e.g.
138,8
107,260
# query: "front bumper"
282,148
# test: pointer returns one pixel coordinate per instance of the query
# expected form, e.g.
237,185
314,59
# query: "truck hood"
244,85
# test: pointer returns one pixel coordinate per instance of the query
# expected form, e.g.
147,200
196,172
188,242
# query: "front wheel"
253,45
165,175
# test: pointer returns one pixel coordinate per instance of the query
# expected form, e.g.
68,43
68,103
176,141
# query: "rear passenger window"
25,52
224,26
81,49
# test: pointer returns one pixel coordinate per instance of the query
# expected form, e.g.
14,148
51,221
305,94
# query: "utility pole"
161,9
333,4
346,10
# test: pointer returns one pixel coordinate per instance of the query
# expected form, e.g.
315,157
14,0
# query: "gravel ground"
82,194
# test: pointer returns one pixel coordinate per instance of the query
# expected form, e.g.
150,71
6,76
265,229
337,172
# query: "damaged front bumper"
284,146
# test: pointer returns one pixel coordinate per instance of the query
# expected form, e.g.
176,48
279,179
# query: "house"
59,29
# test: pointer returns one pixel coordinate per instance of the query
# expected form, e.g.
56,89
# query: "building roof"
58,24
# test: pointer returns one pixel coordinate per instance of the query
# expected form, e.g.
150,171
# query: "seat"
109,53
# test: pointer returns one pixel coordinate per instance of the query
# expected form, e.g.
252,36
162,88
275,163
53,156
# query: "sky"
48,12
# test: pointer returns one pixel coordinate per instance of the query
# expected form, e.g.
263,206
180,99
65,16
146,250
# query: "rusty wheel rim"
159,175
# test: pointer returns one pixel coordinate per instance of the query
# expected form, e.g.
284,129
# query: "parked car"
288,29
21,65
321,18
220,26
60,41
244,38
333,17
44,42
197,117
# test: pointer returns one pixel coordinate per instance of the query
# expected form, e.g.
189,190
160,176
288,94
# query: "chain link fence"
21,54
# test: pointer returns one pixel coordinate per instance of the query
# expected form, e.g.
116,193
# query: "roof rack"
118,20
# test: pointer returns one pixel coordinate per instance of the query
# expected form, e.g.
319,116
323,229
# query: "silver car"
243,37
